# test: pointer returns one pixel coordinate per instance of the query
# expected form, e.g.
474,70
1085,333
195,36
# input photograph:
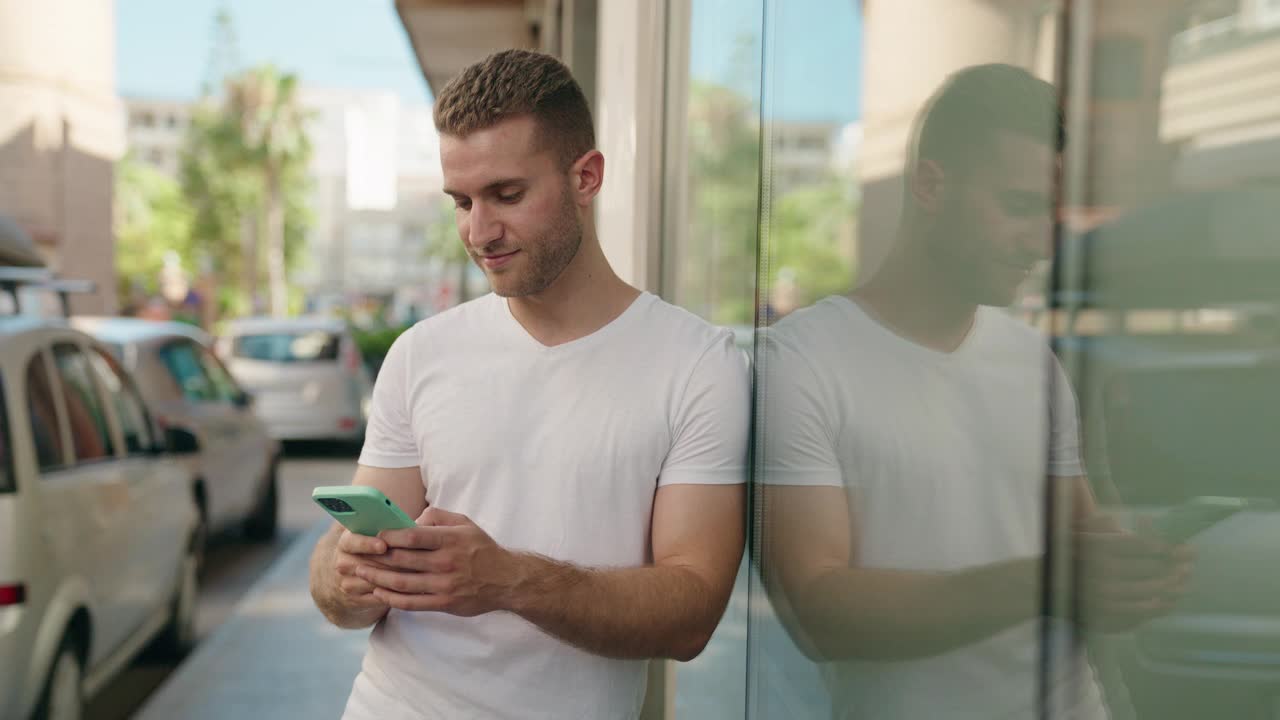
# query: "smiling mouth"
494,261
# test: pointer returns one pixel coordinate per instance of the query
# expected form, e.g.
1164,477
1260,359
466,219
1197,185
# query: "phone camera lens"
335,504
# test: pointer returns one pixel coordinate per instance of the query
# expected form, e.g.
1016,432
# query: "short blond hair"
513,83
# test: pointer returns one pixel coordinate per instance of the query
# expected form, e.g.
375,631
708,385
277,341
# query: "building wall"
61,129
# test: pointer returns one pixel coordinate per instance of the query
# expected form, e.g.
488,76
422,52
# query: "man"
573,448
906,434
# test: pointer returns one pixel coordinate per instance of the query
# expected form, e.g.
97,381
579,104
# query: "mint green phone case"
361,509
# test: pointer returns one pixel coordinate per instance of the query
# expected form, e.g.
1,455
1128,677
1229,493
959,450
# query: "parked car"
188,387
99,531
306,374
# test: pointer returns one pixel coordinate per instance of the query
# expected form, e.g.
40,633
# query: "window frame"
115,450
130,388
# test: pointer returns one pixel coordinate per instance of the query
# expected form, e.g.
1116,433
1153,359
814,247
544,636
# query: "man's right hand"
1127,578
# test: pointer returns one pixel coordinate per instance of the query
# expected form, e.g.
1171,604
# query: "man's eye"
462,204
512,198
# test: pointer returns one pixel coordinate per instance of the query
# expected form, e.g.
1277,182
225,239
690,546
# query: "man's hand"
1127,578
446,564
352,552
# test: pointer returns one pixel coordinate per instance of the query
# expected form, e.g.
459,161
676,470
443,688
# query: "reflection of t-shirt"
944,457
554,450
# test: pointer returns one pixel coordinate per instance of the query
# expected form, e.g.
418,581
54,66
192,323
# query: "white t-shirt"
944,458
553,450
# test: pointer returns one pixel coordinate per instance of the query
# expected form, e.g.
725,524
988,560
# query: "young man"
573,448
906,433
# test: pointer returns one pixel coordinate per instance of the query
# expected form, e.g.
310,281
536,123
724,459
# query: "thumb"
436,516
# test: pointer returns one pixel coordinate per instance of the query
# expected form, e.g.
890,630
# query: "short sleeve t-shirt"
943,457
554,450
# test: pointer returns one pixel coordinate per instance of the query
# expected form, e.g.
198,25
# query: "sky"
163,48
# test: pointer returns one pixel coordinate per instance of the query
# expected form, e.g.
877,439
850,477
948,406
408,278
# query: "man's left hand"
445,564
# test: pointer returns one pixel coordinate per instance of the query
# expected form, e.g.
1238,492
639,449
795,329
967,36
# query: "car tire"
179,635
262,524
63,694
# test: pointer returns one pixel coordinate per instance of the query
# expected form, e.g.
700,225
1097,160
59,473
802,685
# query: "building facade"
60,133
1155,295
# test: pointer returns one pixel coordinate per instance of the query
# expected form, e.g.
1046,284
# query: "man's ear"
586,176
928,183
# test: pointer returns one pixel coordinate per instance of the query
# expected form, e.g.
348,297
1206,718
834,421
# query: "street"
232,567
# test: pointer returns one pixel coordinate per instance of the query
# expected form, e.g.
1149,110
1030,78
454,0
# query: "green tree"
152,218
443,243
715,264
811,239
245,174
263,105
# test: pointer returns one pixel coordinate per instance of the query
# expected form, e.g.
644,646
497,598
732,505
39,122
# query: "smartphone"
1183,522
361,509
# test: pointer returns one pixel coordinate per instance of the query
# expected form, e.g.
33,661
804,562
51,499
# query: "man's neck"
587,296
914,297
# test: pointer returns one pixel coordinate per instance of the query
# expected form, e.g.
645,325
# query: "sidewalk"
275,657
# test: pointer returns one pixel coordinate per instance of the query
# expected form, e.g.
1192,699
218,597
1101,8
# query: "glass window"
223,383
317,345
135,424
6,454
182,360
43,411
90,430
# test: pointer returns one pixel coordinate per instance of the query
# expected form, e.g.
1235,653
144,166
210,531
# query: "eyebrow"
491,186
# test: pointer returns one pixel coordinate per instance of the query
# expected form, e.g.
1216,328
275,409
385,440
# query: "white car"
187,387
306,374
99,531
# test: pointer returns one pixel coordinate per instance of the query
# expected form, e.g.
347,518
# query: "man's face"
996,220
515,211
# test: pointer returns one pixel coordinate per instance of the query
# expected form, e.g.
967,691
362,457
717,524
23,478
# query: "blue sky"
163,47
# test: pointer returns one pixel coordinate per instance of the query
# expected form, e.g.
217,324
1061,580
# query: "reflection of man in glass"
906,433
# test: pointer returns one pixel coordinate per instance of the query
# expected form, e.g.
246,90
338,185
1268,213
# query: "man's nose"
482,227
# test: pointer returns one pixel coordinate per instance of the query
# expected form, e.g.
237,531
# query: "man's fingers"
354,544
416,538
412,602
419,560
403,582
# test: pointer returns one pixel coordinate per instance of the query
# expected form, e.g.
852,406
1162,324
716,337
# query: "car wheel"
261,526
63,696
179,636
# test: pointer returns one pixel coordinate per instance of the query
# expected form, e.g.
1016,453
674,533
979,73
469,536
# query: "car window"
311,346
223,383
6,455
90,434
182,360
42,409
130,410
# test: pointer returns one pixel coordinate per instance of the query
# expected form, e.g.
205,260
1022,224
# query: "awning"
449,35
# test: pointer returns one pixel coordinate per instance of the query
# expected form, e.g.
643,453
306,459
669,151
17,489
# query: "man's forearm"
893,615
645,612
327,595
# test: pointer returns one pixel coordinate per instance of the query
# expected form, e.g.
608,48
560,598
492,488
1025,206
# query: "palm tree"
271,124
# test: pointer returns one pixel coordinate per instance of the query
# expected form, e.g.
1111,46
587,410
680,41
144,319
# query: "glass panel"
288,347
130,411
912,425
90,433
1171,209
225,387
43,411
712,180
182,359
